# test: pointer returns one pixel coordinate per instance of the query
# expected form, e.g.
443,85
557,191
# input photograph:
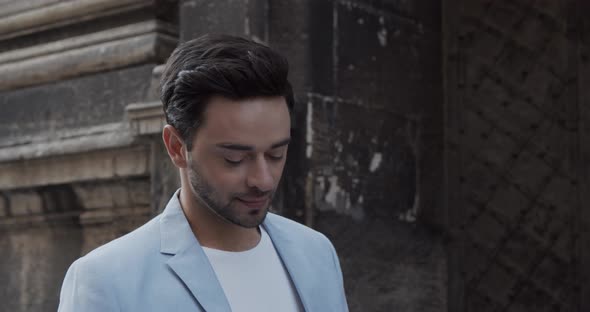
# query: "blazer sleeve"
84,289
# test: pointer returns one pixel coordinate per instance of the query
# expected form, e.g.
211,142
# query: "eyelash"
235,163
275,158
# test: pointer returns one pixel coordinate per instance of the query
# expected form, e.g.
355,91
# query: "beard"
226,208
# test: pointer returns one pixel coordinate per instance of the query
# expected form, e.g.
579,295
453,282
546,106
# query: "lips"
254,202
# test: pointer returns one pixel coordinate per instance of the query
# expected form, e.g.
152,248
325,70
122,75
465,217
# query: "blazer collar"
191,265
296,263
188,260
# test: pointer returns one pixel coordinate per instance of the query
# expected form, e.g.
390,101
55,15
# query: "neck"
213,231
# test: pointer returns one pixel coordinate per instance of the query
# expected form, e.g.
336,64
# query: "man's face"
238,157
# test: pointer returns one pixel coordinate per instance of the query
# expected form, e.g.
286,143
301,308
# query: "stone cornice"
37,17
142,47
108,154
106,136
11,7
146,118
78,42
89,166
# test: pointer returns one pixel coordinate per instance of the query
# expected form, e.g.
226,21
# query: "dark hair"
233,67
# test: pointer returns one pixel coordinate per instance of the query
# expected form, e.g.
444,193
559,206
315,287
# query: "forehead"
258,121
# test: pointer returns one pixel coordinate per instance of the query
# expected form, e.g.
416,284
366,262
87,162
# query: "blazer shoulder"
136,244
93,282
299,232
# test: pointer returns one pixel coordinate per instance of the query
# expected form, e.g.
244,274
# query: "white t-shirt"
255,279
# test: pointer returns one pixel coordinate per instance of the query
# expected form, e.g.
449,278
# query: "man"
216,247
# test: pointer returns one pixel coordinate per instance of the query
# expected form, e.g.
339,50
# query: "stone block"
72,104
34,262
139,192
105,216
22,204
90,57
26,16
114,194
3,206
245,18
59,199
146,118
101,195
94,165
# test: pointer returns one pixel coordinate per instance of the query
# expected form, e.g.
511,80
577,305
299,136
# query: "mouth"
255,202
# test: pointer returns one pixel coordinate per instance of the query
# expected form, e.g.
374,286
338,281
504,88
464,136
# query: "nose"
260,176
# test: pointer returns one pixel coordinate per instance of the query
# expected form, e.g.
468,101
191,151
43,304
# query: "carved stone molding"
82,41
146,118
125,46
22,18
92,157
103,164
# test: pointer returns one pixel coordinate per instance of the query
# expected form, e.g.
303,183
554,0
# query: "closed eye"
233,162
276,157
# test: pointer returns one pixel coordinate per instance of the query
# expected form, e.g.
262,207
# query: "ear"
175,146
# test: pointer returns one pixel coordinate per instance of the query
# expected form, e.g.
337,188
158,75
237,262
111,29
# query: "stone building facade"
441,145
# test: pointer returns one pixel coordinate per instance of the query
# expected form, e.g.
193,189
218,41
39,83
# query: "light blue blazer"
162,267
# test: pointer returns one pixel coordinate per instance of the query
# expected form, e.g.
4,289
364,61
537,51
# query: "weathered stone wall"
76,160
81,161
374,152
516,158
366,164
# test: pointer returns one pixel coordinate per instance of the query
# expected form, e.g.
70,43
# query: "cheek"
277,171
229,181
218,177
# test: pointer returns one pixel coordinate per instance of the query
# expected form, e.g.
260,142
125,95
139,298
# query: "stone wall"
76,156
366,163
81,160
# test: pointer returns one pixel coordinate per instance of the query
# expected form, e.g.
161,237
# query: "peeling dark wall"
365,165
374,150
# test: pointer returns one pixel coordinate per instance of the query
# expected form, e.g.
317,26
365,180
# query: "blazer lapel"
189,262
295,262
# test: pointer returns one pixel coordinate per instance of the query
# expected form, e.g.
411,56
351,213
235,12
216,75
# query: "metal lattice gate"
515,156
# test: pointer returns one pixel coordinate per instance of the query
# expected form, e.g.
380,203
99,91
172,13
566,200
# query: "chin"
253,219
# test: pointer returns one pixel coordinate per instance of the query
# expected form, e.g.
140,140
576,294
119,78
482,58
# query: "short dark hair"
230,66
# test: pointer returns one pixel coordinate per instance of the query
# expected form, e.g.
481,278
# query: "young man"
216,247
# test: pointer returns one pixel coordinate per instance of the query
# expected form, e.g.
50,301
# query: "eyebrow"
240,147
